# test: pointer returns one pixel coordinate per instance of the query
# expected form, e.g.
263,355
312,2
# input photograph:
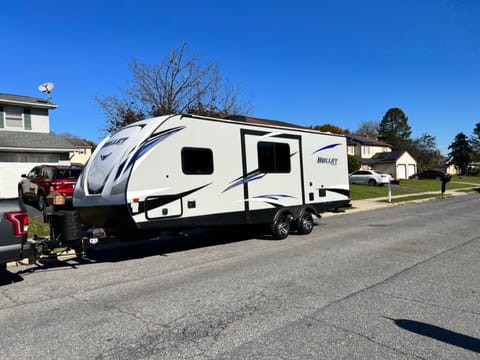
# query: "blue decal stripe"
254,175
331,146
149,144
155,140
274,196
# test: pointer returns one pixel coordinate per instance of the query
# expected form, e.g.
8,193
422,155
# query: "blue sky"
341,62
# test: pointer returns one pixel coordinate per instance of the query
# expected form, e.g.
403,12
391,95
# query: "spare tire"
66,226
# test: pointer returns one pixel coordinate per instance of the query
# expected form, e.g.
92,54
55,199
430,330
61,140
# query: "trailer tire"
305,223
280,228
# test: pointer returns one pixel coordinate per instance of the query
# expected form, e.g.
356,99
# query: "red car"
43,179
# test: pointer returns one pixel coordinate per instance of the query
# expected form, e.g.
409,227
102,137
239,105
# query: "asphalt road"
396,283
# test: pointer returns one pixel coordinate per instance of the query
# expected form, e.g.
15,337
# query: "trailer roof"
263,122
253,120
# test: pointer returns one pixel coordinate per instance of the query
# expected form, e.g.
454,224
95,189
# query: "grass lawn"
38,228
469,179
359,192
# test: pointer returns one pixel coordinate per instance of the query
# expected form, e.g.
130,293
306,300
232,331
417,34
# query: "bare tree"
178,84
368,128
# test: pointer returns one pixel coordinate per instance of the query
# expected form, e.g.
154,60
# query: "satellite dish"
46,87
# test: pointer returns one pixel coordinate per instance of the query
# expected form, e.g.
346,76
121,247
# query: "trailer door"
272,170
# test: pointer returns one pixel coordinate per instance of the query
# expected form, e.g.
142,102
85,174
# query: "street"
396,283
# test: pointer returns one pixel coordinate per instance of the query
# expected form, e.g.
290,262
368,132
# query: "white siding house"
398,163
377,155
26,140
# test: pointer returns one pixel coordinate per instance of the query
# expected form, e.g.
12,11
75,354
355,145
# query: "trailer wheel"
280,228
305,224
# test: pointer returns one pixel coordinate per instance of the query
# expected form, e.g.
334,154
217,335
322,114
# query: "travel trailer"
185,171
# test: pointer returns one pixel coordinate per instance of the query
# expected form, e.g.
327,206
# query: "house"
82,152
398,163
26,139
363,148
378,155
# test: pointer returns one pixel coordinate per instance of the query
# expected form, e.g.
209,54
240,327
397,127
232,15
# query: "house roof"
352,139
78,143
34,102
31,141
387,157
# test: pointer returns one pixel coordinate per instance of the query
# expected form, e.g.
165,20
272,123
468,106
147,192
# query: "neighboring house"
26,140
398,163
82,152
377,155
364,148
450,167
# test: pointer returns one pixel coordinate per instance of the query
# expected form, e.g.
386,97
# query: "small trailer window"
273,157
197,161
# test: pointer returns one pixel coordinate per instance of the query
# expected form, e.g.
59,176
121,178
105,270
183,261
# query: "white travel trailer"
185,171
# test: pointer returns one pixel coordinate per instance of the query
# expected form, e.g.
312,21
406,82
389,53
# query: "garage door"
401,171
411,170
12,166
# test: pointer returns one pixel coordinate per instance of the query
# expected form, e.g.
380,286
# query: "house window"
13,117
273,157
197,161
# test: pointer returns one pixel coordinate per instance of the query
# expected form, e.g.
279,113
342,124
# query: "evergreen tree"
460,151
475,142
394,129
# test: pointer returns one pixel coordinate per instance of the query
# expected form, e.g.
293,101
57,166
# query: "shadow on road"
167,244
6,277
113,250
440,334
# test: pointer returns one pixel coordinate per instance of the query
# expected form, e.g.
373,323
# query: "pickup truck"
13,231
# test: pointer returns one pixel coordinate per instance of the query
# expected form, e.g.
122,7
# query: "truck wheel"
305,224
280,228
41,203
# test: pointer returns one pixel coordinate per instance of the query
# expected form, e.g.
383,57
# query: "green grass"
38,228
470,179
434,185
359,192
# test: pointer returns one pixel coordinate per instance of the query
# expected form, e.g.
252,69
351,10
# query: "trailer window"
197,161
273,157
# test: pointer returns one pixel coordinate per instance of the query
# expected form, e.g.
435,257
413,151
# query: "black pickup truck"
13,231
